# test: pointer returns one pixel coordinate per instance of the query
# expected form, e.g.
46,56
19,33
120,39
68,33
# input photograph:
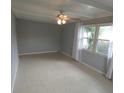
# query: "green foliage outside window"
90,33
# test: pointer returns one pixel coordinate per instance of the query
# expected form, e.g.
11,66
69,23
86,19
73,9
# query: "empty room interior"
61,46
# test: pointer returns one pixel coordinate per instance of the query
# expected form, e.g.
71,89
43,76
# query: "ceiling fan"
62,18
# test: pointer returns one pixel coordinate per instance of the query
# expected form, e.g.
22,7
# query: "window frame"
95,39
100,25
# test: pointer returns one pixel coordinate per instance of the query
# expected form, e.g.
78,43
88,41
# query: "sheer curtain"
109,67
76,44
109,73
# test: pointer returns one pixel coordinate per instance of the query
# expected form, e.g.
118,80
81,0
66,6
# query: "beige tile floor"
57,73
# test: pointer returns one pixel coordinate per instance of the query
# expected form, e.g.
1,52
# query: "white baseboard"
67,54
31,53
87,65
93,68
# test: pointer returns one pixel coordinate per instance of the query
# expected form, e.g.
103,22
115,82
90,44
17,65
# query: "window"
96,38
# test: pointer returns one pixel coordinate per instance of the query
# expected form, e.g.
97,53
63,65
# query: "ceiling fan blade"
75,19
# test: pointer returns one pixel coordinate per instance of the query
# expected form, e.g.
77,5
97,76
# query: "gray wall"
14,52
42,37
37,37
67,38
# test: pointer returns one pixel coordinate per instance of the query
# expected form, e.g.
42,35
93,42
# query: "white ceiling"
47,10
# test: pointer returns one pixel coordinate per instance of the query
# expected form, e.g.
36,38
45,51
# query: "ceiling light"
59,22
61,18
63,21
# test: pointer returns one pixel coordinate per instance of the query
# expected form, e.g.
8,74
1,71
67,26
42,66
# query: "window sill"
91,52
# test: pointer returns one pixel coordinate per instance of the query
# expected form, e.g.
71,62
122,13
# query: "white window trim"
105,24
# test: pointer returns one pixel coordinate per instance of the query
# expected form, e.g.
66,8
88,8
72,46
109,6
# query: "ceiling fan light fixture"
61,18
